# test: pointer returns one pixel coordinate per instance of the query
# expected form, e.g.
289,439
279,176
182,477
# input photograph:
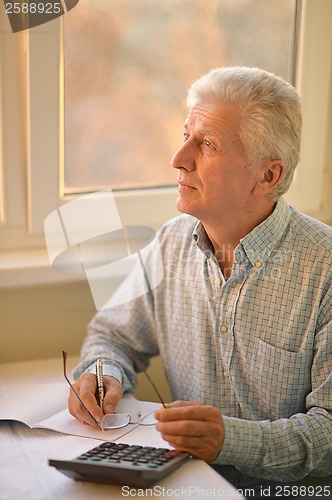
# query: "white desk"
25,475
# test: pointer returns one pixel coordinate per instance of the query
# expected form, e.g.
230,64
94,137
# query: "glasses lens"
115,420
148,418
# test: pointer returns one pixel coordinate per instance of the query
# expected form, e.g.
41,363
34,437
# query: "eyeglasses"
118,420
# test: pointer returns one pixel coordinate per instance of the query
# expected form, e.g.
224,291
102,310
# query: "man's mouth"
183,186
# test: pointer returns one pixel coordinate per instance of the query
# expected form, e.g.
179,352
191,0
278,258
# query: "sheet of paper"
129,404
39,405
34,402
65,423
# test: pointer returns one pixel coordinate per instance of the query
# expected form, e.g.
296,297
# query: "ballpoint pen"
100,382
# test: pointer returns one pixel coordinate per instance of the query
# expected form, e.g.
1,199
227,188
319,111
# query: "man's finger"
193,412
179,403
113,394
85,386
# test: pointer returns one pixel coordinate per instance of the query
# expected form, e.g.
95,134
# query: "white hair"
272,119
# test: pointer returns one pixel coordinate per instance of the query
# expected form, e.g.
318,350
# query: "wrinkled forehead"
223,120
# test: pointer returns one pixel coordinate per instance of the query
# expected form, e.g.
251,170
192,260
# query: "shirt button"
226,374
217,281
223,329
258,264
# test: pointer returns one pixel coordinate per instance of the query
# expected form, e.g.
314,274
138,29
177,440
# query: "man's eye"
185,137
207,143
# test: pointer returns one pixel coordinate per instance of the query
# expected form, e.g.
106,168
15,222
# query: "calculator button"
122,446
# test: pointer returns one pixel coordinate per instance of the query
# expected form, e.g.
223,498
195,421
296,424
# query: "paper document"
33,403
45,406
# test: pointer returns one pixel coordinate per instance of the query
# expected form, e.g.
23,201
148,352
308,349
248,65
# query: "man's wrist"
244,440
108,371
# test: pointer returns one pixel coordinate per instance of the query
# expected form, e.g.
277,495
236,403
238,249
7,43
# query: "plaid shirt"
257,346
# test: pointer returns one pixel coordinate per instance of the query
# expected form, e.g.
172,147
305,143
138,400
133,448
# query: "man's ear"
271,174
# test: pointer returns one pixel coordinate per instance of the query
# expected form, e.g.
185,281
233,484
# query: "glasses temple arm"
64,355
142,367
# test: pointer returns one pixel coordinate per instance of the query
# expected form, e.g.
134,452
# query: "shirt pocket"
281,379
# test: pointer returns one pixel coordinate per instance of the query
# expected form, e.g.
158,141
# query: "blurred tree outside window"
127,68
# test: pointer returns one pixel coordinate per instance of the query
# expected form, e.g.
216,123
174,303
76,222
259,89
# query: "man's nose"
184,157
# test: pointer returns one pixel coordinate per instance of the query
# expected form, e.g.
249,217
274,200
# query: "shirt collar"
262,240
201,239
259,243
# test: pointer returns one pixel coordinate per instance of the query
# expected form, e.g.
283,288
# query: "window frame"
30,174
313,80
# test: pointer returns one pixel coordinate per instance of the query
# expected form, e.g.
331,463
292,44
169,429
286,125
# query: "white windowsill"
30,267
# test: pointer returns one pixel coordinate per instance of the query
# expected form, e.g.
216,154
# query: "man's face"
214,176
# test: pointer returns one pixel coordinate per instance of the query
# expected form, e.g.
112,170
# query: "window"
311,191
37,132
128,65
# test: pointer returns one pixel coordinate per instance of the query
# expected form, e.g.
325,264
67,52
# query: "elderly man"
242,318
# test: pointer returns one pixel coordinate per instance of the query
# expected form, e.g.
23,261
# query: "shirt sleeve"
112,330
288,448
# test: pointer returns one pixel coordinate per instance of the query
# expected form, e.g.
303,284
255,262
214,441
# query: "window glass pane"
128,65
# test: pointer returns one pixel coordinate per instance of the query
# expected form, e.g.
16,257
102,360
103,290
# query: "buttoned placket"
229,293
221,290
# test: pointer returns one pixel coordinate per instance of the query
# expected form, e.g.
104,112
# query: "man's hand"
86,386
192,427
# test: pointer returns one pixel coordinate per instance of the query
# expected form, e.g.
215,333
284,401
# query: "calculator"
122,464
